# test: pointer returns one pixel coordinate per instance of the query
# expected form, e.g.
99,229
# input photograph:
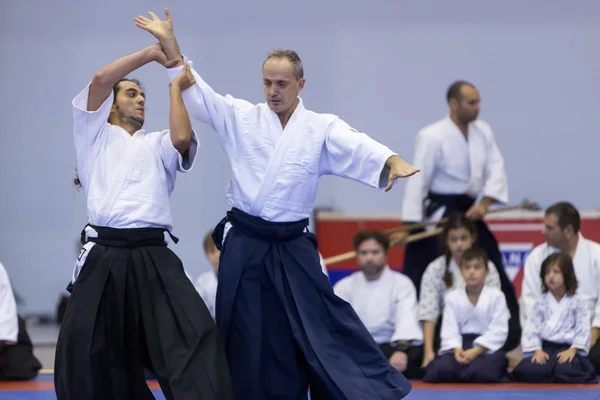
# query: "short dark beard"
466,121
375,272
137,123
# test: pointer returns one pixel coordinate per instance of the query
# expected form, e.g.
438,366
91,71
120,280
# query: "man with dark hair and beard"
386,303
562,230
460,164
132,306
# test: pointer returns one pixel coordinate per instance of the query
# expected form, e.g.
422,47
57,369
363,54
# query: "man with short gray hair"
283,327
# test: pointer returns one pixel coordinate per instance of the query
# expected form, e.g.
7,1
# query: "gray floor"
44,339
46,356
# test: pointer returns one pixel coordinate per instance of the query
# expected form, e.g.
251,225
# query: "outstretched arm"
107,77
354,155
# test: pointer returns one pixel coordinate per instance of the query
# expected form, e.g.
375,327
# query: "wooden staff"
411,238
526,205
423,235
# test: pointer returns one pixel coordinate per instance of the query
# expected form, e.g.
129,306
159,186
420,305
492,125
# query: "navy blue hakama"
414,356
486,368
418,255
578,370
283,327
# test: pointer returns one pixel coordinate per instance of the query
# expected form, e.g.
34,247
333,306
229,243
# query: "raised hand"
160,29
160,57
185,79
163,31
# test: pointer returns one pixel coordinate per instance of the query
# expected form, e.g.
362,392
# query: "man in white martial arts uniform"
461,163
561,230
282,326
132,305
17,361
386,302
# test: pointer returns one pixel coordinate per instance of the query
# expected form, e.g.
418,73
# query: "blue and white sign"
513,256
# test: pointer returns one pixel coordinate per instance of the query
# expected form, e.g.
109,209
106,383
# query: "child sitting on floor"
556,341
474,329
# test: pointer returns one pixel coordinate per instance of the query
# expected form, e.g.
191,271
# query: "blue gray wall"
382,66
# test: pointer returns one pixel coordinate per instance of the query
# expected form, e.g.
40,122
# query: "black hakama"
283,327
17,361
414,359
418,255
578,370
486,368
132,307
594,356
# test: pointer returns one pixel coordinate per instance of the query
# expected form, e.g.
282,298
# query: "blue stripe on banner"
337,274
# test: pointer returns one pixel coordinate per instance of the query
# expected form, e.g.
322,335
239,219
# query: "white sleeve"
583,330
323,266
531,289
493,277
450,335
354,155
431,295
188,275
417,187
209,107
9,323
202,287
89,128
596,316
172,159
496,181
531,339
407,323
343,289
497,331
